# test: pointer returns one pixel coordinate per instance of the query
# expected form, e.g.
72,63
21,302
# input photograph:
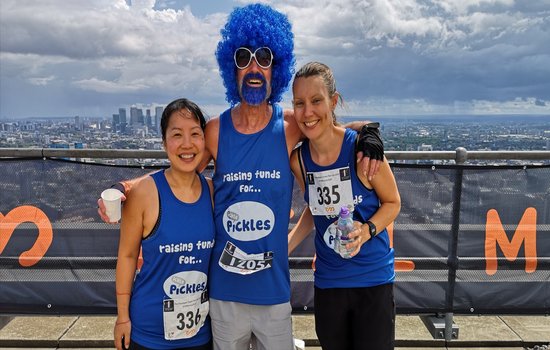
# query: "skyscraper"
122,119
115,125
122,115
148,120
134,117
158,116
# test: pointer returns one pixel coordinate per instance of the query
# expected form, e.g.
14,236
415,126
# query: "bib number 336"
184,318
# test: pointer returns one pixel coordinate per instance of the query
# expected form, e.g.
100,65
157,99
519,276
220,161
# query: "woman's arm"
305,223
390,204
131,233
301,230
390,201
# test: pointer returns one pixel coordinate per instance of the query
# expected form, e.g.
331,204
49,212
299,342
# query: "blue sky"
390,57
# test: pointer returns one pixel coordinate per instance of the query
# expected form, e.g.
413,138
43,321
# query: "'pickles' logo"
330,235
248,221
182,283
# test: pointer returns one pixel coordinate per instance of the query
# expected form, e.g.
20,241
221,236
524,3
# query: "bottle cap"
344,212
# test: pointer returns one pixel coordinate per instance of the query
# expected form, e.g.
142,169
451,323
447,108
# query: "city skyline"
411,57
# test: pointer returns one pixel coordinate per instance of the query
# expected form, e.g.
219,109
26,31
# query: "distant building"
77,123
141,119
148,120
59,144
116,123
123,120
122,115
158,117
425,148
134,117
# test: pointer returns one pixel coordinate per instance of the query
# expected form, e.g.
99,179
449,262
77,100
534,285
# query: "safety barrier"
469,239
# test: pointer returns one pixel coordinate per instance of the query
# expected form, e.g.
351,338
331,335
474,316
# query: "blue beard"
252,95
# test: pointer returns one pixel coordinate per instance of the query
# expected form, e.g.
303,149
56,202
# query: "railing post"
461,155
452,258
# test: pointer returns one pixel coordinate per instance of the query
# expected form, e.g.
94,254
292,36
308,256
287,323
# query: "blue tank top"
252,198
374,264
176,257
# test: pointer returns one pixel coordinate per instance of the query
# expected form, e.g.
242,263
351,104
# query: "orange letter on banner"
525,232
27,213
399,265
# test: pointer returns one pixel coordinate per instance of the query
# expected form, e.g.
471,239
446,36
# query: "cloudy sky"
390,57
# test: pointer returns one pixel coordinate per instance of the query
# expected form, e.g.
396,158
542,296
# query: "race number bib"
329,190
235,260
183,318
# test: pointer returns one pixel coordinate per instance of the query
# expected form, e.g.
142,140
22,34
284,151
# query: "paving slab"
531,329
475,333
89,331
484,331
421,348
55,348
35,332
303,327
491,348
410,331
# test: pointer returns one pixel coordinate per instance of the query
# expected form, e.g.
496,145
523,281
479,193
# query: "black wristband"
372,229
372,125
120,187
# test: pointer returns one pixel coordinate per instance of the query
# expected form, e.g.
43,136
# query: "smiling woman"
167,215
353,281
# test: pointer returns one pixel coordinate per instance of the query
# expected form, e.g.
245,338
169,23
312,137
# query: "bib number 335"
329,190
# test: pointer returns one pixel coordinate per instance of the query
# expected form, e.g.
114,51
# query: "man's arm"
211,135
369,146
211,138
124,186
293,133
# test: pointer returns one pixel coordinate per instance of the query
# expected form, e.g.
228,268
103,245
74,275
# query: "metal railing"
460,155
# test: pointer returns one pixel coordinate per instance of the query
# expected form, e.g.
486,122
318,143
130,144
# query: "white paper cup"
111,199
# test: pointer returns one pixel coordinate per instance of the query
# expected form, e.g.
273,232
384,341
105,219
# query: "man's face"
254,82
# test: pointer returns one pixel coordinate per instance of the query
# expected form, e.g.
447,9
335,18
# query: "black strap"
301,167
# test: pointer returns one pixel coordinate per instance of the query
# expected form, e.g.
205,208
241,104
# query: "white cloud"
425,55
41,80
118,40
461,7
105,86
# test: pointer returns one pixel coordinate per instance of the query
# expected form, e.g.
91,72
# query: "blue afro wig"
255,26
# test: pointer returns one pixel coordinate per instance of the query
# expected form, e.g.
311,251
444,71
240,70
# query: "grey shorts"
234,323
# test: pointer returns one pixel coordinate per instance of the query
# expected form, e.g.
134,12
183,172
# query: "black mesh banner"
468,239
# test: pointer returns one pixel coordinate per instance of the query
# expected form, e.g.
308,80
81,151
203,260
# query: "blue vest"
374,264
252,198
181,244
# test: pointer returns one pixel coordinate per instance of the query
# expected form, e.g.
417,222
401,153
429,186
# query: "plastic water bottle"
345,226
